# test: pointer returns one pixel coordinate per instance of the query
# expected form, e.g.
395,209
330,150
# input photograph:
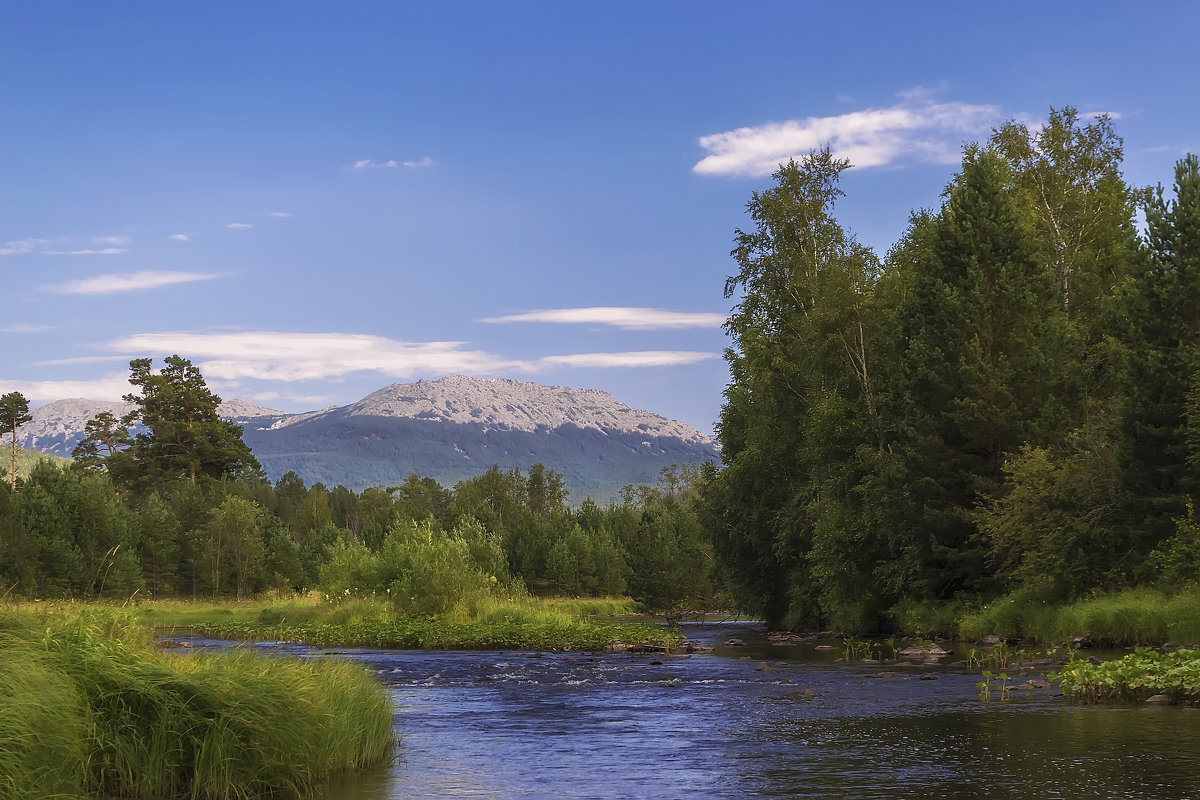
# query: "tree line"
1006,404
181,508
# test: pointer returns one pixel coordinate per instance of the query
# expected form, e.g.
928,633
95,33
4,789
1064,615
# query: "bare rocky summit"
504,404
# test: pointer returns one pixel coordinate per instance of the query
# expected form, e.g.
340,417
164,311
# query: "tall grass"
1131,617
90,708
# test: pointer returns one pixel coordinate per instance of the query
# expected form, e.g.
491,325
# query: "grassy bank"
90,708
1129,618
522,623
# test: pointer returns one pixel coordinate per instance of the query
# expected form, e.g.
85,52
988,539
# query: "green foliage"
93,710
1176,561
184,438
1134,678
1051,527
14,412
1127,618
1001,413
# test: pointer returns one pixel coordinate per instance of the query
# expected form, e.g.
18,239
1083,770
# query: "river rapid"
756,720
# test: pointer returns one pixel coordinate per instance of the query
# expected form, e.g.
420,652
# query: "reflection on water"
523,725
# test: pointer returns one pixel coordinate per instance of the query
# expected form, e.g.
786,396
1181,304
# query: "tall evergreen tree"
980,323
184,437
1163,311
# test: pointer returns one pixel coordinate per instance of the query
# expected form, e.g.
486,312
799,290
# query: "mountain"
448,429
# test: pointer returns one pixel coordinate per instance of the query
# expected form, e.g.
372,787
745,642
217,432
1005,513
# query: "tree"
980,373
14,412
184,438
234,542
805,372
104,437
1163,310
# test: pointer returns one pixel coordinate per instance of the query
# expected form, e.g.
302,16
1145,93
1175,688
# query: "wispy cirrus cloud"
370,163
127,282
101,251
22,246
637,358
280,214
625,318
62,246
285,356
915,129
180,237
239,226
26,327
236,356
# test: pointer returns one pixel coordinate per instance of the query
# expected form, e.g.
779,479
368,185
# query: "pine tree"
14,412
184,438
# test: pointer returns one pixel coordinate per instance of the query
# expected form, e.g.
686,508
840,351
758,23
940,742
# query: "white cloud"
103,251
281,356
288,357
26,327
642,358
108,387
180,237
280,214
37,245
22,246
917,129
631,319
370,163
133,281
239,226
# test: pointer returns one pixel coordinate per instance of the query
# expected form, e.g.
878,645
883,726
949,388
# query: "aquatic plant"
1139,675
990,680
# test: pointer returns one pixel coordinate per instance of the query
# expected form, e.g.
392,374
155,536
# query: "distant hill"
26,460
448,429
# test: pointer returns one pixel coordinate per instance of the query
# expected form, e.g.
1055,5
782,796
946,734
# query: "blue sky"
314,200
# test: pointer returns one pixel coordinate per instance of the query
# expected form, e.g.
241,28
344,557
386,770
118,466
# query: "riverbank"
520,624
1135,617
90,707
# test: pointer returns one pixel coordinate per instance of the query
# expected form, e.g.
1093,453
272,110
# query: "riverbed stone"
1158,700
930,650
763,666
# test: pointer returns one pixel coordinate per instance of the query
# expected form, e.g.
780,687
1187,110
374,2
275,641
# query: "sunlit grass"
90,708
1131,617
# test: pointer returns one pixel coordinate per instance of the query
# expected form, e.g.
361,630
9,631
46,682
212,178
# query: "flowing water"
755,721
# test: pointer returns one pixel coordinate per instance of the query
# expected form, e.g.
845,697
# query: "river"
754,721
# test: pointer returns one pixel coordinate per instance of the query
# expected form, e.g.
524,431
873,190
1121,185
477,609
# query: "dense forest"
1005,405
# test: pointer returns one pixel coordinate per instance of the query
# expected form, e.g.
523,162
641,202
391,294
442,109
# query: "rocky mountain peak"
508,404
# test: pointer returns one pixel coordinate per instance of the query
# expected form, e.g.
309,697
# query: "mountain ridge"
448,429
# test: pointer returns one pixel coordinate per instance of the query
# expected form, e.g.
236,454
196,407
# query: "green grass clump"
424,633
91,709
519,622
1134,678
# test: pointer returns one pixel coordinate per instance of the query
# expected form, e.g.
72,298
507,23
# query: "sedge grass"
1129,618
91,709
